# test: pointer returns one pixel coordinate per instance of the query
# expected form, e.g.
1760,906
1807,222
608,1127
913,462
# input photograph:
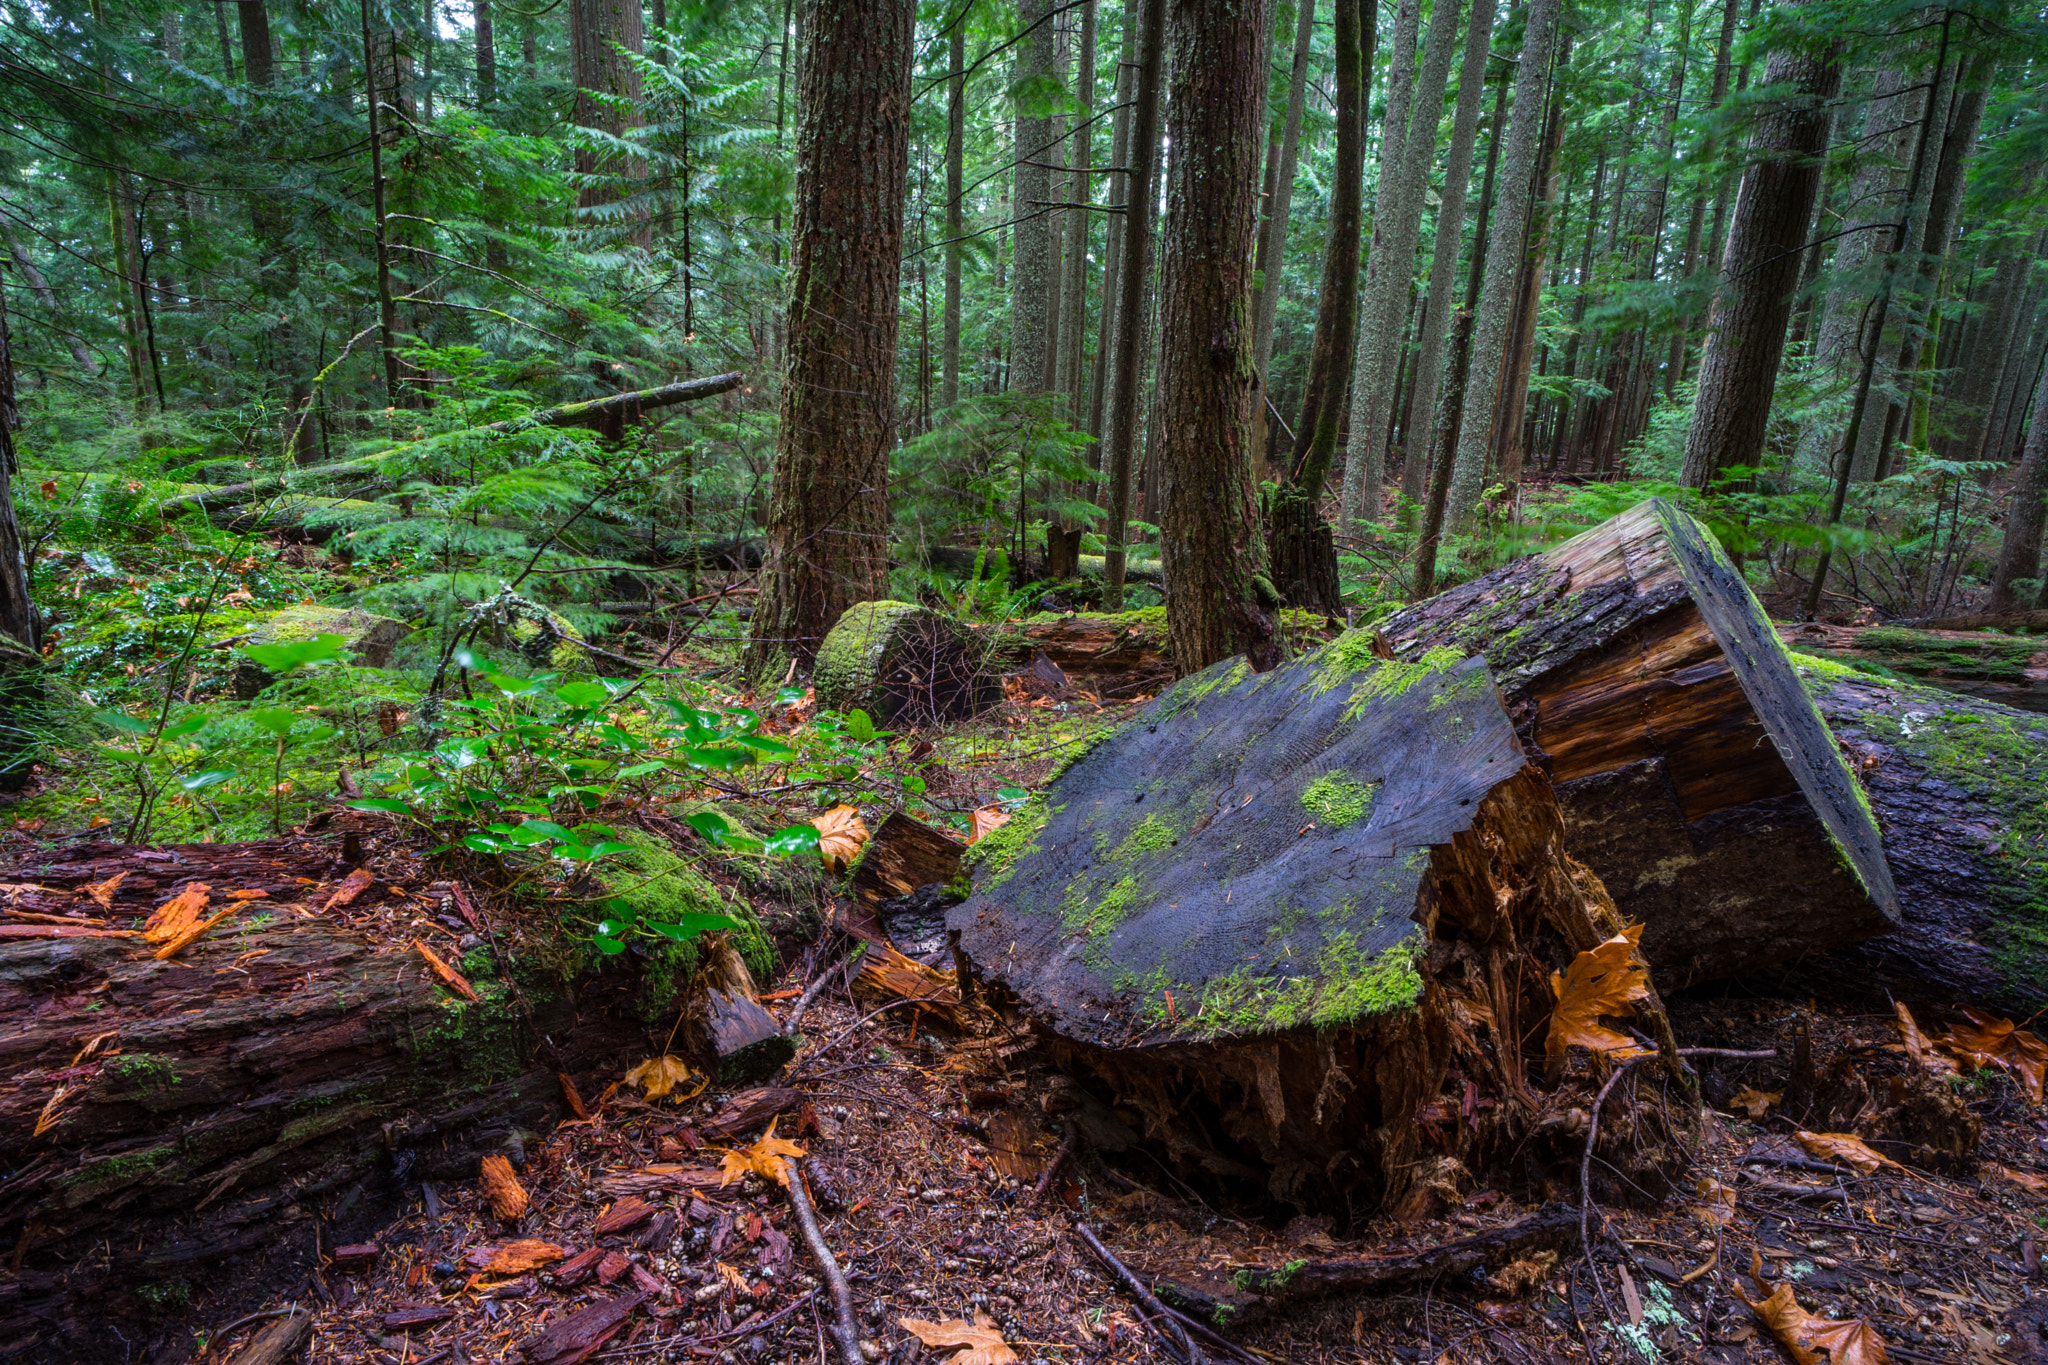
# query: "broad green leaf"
583,693
793,839
761,744
711,825
276,721
191,725
859,724
293,654
122,721
211,777
383,803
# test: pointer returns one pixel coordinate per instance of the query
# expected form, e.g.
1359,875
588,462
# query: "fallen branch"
1052,1167
1313,1279
1190,1352
845,1329
567,415
811,993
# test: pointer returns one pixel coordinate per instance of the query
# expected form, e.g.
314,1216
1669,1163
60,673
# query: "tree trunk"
955,229
1703,191
1514,398
1443,263
1324,875
1503,264
1304,554
609,99
1954,782
1032,277
1273,241
486,55
21,637
1695,775
1113,244
1074,265
1746,332
828,521
1218,600
2019,557
81,355
1140,195
1407,149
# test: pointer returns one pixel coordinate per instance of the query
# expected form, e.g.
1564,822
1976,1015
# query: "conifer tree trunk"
1304,555
1514,399
1408,146
1443,264
1490,321
1746,333
609,96
2020,556
1113,240
1273,240
1033,277
1675,367
1074,263
1218,600
20,627
1134,286
956,142
486,54
827,542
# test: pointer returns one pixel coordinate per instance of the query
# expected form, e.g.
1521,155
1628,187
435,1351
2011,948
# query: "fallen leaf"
1755,1103
103,892
450,978
1804,1336
984,1342
987,820
1604,980
1988,1041
841,837
764,1158
502,1188
1719,1207
177,915
1917,1045
353,885
528,1253
2026,1180
571,1096
1846,1148
660,1077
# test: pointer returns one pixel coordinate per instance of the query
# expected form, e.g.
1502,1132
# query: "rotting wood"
737,1039
279,1342
1274,911
1695,775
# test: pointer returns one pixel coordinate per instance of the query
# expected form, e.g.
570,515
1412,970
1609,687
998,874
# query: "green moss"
1348,985
995,857
668,889
110,1173
557,646
851,657
146,1073
1337,799
1988,658
1150,835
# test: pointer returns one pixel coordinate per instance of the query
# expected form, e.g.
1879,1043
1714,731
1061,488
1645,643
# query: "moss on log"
1695,774
900,661
2009,669
1275,910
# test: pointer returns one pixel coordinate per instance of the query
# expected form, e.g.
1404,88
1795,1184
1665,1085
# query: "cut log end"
900,662
736,1037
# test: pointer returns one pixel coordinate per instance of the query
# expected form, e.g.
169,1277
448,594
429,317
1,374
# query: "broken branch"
845,1330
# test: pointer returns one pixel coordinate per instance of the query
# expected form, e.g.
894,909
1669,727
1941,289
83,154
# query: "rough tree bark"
1696,777
1304,555
1033,252
1443,261
1503,264
20,625
956,142
608,97
828,520
1273,241
1746,331
1218,600
2019,557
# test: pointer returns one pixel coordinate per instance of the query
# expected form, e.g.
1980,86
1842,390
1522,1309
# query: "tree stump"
901,662
1956,782
1695,774
1285,914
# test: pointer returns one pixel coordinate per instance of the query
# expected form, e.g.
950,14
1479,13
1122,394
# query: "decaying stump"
738,1039
1696,777
901,662
1289,915
1958,785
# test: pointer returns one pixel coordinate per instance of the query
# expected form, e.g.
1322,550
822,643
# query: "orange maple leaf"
764,1158
1988,1041
841,836
1604,980
1846,1148
1804,1336
983,1340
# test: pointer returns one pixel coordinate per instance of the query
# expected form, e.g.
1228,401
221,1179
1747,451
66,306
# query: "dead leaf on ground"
1804,1336
2026,1180
987,820
1718,1207
764,1158
666,1075
1753,1102
983,1340
452,979
176,916
1989,1041
103,892
528,1253
502,1188
1846,1148
1604,980
1917,1045
841,837
353,885
571,1096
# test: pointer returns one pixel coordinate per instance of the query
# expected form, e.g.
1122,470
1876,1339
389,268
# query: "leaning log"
1956,783
1695,774
1283,915
595,412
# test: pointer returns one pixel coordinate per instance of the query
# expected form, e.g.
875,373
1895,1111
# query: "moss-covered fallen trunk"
1960,789
2011,669
1285,914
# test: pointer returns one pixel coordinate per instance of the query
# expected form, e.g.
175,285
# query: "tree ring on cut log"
898,661
1696,776
1274,910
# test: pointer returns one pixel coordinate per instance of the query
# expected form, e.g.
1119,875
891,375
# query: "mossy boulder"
900,661
368,639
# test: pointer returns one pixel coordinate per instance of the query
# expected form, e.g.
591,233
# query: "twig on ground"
1190,1352
1052,1167
811,993
845,1329
672,1343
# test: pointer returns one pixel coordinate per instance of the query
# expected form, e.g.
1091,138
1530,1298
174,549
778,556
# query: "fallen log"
1695,774
1956,783
611,409
900,662
1977,662
1113,654
1275,912
198,1109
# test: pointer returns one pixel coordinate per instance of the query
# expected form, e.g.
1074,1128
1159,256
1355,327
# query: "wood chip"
502,1188
612,1266
178,914
578,1268
416,1315
357,1256
629,1212
450,978
191,935
61,931
528,1253
103,892
353,885
579,1336
571,1096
